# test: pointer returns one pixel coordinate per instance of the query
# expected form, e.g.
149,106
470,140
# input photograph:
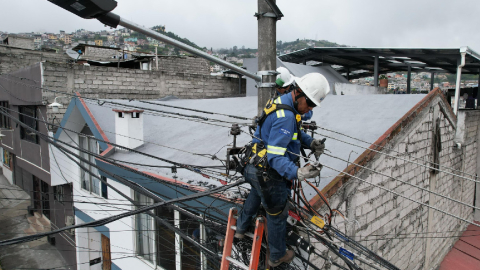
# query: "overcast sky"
228,23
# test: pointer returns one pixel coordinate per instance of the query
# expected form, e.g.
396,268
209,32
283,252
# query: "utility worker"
281,136
284,81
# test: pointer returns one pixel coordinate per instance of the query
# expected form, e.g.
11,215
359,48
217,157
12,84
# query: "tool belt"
256,155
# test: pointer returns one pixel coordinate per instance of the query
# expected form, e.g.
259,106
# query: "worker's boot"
239,235
287,258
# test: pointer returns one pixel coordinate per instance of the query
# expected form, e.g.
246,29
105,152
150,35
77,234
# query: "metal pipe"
375,71
178,44
409,79
432,80
459,76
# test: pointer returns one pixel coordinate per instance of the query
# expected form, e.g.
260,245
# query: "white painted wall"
355,89
122,242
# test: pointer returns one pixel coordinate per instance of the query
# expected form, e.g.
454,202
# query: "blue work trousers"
276,225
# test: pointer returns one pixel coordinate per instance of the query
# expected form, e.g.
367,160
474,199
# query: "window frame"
24,135
85,176
150,235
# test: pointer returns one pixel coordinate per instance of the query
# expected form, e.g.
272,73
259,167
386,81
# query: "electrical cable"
405,197
393,150
406,160
103,221
407,183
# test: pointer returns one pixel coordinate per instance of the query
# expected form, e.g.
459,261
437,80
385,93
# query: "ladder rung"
249,234
237,263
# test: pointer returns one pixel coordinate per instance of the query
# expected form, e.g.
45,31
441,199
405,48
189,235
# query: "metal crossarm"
256,246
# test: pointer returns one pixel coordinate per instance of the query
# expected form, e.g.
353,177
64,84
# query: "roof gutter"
463,52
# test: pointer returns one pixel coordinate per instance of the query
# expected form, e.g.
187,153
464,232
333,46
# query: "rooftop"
195,141
359,62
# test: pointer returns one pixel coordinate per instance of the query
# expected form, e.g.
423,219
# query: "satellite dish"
73,54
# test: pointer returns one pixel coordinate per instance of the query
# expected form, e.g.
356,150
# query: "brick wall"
395,227
113,83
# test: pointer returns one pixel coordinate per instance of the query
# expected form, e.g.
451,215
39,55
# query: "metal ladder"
256,247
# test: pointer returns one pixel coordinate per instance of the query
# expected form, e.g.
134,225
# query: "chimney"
129,128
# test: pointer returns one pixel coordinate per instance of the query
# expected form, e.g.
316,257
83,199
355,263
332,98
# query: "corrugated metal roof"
365,117
390,59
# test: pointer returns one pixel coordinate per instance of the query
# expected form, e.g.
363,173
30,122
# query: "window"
58,194
89,182
104,188
144,230
135,115
4,120
28,115
120,114
7,159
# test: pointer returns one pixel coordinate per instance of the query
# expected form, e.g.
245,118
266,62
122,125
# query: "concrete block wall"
397,228
100,53
184,64
113,83
13,59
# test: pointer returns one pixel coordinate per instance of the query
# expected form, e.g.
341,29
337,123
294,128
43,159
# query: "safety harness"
256,154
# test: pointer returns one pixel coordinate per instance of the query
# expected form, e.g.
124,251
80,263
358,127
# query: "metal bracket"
266,85
267,72
277,14
266,14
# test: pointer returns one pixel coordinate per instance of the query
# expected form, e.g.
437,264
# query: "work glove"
308,171
317,147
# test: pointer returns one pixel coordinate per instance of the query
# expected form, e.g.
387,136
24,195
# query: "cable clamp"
267,85
267,72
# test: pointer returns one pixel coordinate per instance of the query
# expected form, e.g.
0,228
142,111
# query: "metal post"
267,44
461,63
348,73
239,84
156,56
478,99
203,240
432,80
305,62
375,72
178,242
409,78
118,62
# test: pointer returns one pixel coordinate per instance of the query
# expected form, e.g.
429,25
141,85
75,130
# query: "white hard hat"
284,79
315,86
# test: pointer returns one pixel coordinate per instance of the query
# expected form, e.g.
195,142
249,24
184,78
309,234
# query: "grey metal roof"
296,70
390,59
365,117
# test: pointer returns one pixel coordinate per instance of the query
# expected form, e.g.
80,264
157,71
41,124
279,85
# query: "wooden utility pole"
267,47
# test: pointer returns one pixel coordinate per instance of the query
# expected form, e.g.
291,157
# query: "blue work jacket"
280,136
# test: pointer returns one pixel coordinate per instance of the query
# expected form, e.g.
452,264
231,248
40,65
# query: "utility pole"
267,44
